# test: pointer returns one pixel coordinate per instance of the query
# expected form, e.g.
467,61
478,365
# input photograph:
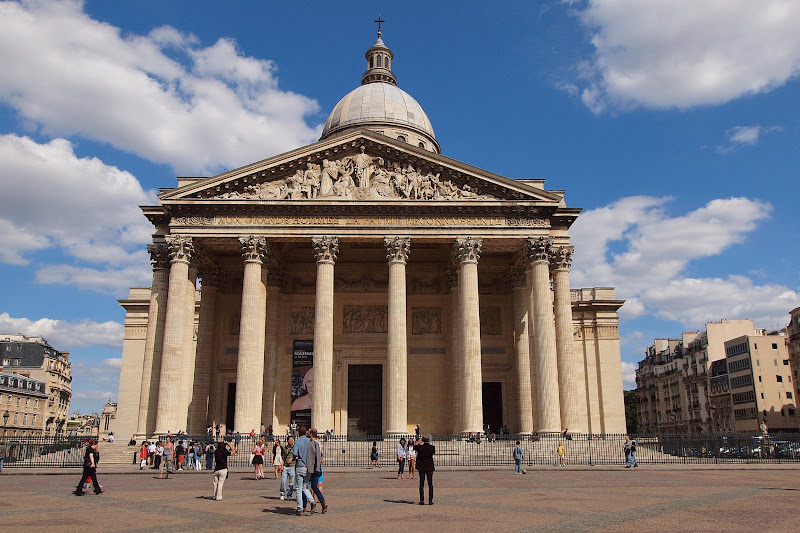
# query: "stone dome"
378,104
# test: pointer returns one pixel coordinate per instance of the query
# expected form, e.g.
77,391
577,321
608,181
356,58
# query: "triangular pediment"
361,166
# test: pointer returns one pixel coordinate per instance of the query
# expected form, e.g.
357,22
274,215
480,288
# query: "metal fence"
458,450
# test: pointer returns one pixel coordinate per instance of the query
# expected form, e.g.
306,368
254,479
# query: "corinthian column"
538,251
272,401
522,367
175,351
325,249
397,250
469,251
198,408
572,390
250,366
456,354
156,315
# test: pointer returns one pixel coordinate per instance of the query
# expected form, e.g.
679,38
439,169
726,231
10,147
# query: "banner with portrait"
302,381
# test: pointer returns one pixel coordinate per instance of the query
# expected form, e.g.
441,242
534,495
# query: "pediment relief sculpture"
358,177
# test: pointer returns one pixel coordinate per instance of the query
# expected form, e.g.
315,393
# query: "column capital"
469,249
397,248
561,257
254,249
325,248
159,255
538,248
181,248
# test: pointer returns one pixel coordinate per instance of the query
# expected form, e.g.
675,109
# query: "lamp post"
5,421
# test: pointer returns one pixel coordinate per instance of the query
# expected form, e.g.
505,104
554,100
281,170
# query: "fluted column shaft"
174,350
532,348
326,249
156,315
469,304
545,342
250,365
397,250
187,372
522,367
198,408
270,402
456,356
572,390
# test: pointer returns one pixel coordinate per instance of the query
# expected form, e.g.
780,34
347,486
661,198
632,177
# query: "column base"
397,433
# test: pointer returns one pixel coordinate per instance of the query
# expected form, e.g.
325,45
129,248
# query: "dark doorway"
493,405
231,406
364,399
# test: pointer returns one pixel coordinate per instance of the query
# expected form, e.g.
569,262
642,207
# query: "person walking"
561,454
143,456
167,461
425,452
300,471
277,458
287,474
411,458
151,453
3,452
374,456
180,452
198,456
518,455
401,458
630,452
314,466
159,455
221,454
258,459
89,469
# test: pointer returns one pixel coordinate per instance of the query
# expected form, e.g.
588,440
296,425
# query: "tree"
631,415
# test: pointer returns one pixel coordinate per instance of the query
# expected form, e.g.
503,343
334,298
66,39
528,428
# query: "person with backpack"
518,455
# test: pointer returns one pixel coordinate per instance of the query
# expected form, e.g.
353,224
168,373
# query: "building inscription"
382,221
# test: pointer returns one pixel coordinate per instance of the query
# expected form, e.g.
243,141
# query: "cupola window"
379,62
401,138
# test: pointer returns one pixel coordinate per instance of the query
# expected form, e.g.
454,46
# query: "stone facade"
33,357
379,253
24,401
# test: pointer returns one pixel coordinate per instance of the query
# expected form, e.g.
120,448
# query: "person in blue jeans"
518,455
630,452
287,474
300,472
314,465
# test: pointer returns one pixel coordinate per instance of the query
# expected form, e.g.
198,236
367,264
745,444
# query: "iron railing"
458,450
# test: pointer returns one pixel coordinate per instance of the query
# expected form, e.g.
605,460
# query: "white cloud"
739,136
628,375
87,209
73,75
113,362
654,250
64,335
682,53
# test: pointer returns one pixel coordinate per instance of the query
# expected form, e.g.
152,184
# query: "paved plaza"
662,498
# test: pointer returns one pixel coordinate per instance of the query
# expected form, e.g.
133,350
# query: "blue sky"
673,123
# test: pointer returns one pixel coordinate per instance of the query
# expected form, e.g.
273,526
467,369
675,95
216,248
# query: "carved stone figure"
365,319
426,320
328,176
303,321
490,321
364,166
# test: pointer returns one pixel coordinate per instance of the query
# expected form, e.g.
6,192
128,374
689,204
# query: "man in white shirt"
151,452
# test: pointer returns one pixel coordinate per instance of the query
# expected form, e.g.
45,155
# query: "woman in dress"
373,456
277,458
167,460
411,458
258,459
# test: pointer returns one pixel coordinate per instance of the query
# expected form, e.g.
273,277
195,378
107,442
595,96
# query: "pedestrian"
374,456
143,456
180,452
518,455
218,431
221,454
300,471
314,465
258,459
151,453
237,439
293,429
287,474
560,450
416,432
209,432
198,456
190,456
630,452
89,469
168,459
401,458
210,456
425,452
411,458
159,455
263,430
277,457
3,452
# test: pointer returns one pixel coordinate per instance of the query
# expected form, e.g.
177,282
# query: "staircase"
116,453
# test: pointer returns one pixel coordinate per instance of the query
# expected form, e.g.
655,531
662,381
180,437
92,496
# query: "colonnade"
551,395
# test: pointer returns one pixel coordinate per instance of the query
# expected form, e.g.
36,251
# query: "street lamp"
5,421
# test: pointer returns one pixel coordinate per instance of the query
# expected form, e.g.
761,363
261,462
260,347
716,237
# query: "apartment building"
793,346
33,357
22,405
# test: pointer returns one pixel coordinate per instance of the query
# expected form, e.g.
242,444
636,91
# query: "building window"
422,145
16,418
34,419
17,361
758,362
6,362
401,138
765,412
791,412
774,345
779,378
785,362
759,379
36,403
755,345
380,61
25,419
762,395
19,401
27,402
789,395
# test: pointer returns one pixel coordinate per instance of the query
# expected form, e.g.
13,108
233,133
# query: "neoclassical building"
370,284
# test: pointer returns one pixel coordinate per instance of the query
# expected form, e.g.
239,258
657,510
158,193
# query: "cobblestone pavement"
546,499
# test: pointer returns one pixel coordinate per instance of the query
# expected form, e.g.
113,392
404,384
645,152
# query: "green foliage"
631,416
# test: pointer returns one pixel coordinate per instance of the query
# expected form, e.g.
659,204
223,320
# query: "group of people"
167,457
419,457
